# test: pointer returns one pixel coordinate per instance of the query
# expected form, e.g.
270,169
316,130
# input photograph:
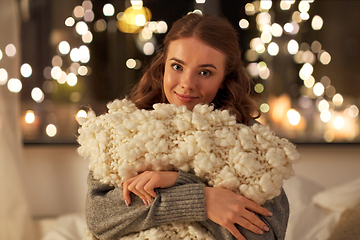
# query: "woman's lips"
185,98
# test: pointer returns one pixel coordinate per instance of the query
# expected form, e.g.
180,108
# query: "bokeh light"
338,99
293,117
265,5
250,9
10,50
131,63
148,48
317,22
3,76
325,57
133,18
108,10
318,89
244,24
89,15
81,114
26,70
51,130
81,28
57,61
82,70
69,22
37,95
325,116
87,37
264,107
162,27
29,116
14,85
273,49
339,122
276,30
78,12
259,88
64,47
100,25
306,71
293,47
71,79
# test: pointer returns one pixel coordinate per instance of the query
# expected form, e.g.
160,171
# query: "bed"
317,213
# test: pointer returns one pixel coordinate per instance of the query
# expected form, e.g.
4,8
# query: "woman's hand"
226,208
143,184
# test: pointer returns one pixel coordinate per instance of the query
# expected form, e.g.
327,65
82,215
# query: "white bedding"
314,211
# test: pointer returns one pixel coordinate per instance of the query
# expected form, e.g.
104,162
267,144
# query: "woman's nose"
187,81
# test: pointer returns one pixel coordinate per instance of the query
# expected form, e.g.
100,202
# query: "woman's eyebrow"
178,60
202,65
208,65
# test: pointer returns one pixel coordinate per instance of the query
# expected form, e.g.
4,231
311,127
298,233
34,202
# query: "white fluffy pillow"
340,197
300,191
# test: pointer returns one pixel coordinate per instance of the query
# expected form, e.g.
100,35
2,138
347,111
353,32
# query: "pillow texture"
348,225
339,198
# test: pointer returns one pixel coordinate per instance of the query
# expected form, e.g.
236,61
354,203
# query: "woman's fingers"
253,223
143,185
136,186
126,195
235,232
228,208
256,207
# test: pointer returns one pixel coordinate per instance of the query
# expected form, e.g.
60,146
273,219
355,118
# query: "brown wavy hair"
234,94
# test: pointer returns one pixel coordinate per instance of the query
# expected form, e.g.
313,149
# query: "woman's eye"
205,73
177,67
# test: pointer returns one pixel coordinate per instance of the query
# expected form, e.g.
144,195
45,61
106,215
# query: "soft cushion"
339,198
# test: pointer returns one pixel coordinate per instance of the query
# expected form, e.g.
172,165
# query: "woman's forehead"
194,50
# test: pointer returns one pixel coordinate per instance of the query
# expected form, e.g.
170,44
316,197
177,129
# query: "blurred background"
76,55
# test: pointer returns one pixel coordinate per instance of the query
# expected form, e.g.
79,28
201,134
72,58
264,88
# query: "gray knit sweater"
109,218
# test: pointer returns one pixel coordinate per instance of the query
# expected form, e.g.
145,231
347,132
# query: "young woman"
200,63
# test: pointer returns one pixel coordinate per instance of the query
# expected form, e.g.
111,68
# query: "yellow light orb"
29,117
133,19
294,117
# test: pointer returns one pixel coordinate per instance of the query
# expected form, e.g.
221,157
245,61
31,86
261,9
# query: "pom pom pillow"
209,143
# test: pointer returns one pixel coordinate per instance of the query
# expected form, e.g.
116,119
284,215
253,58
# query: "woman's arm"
223,206
180,203
108,217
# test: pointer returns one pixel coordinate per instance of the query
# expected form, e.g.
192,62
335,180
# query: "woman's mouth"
185,98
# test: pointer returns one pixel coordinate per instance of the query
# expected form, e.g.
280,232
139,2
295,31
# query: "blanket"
209,143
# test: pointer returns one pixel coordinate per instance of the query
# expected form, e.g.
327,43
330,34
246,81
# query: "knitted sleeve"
109,218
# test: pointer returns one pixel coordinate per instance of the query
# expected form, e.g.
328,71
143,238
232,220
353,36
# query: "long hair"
218,33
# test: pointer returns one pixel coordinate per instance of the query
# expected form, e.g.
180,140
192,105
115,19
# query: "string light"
3,76
51,130
323,93
37,95
26,70
108,10
14,85
293,117
10,50
29,117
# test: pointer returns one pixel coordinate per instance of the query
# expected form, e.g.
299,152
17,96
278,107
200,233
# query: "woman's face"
193,73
